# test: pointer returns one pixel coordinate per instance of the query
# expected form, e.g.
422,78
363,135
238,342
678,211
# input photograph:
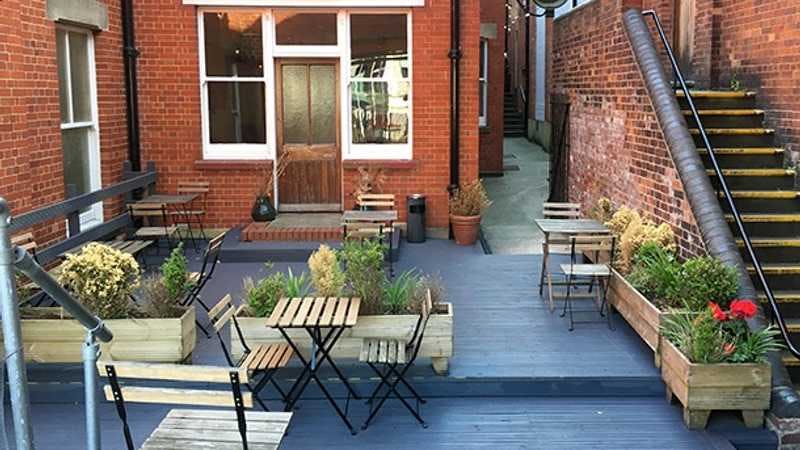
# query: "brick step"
704,99
762,182
261,231
744,157
727,118
768,224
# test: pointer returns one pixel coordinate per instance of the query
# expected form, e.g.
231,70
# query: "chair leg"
609,310
544,268
408,386
568,303
392,390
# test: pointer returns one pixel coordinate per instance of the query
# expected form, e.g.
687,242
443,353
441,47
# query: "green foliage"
705,279
697,336
735,83
327,276
297,285
157,301
363,260
262,296
397,293
175,271
655,273
754,347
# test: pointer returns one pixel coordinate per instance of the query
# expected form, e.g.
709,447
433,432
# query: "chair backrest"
376,201
195,187
210,261
419,332
359,229
120,395
591,243
224,312
148,209
561,210
26,242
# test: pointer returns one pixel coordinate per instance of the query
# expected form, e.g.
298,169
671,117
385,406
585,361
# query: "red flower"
728,348
719,314
743,309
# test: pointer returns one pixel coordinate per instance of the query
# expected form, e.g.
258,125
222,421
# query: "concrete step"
727,118
780,276
744,157
768,224
773,249
736,137
705,99
757,179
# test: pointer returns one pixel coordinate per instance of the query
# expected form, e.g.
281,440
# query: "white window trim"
271,50
483,79
94,216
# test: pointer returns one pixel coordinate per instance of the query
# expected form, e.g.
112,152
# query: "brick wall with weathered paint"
491,141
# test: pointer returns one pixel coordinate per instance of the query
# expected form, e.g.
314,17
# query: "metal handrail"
723,185
521,93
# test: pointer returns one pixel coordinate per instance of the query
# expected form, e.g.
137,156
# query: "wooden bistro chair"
376,201
189,429
395,356
578,273
195,212
199,279
557,244
150,212
261,362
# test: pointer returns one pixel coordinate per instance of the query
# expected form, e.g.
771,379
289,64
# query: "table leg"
324,349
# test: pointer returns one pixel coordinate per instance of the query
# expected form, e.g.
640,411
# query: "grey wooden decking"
519,378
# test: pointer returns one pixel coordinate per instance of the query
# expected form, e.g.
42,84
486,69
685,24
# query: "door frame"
279,62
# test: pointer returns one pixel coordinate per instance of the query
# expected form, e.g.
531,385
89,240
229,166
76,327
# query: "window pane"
380,112
63,88
484,49
236,113
295,104
305,28
79,73
482,98
378,45
76,159
233,44
323,104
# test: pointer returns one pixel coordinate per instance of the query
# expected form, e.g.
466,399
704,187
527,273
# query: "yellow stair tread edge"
734,131
745,150
777,269
782,296
725,112
766,217
754,172
716,94
763,194
771,242
790,360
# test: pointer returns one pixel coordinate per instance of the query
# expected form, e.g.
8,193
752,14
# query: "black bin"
416,218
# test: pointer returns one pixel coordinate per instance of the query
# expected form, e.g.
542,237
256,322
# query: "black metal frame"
212,253
267,375
602,282
776,316
119,401
391,378
321,349
164,224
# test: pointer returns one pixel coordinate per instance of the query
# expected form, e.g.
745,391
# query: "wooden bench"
195,429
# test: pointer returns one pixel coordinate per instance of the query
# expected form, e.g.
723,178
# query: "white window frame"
483,82
243,151
94,216
340,51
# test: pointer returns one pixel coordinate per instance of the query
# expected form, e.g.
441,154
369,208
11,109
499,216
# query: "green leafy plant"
327,276
705,279
175,271
296,285
156,299
470,200
102,278
363,261
735,83
262,296
655,273
397,293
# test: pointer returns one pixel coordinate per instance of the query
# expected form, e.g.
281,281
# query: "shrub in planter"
262,296
157,299
175,274
327,276
655,273
398,293
703,279
363,261
103,279
467,205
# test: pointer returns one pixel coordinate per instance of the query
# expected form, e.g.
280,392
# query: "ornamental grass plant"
470,200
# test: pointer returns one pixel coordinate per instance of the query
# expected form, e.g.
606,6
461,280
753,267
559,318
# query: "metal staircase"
513,120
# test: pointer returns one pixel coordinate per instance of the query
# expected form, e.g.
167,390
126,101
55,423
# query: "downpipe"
702,197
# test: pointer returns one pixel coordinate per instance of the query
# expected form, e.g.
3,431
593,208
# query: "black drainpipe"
455,101
130,53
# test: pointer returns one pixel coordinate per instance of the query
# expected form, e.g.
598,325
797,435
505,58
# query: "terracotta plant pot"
465,228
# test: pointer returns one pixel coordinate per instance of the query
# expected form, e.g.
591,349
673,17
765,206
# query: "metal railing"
776,315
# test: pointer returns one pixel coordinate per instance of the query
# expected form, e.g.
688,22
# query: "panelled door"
683,39
308,133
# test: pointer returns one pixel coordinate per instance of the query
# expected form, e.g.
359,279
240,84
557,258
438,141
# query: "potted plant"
467,205
104,279
370,180
263,208
390,308
713,361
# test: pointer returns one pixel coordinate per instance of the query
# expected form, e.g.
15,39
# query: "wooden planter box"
702,388
437,343
146,340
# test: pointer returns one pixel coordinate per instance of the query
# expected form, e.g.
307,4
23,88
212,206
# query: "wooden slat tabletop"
215,429
370,216
571,226
169,199
315,311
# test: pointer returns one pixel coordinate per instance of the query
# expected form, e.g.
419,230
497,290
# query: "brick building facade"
493,17
171,103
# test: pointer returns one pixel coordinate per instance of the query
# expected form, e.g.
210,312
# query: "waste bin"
416,218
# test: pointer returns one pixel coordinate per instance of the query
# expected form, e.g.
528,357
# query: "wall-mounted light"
549,7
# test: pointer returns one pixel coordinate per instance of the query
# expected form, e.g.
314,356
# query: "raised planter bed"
702,388
437,343
50,340
643,316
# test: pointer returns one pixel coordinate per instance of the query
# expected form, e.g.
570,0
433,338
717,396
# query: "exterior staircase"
513,119
764,188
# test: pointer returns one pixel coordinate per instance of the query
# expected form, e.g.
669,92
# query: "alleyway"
518,196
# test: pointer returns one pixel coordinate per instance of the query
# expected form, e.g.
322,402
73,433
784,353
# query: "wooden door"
683,35
308,132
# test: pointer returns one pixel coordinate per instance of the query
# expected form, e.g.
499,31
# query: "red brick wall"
491,140
760,42
31,162
617,149
171,121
